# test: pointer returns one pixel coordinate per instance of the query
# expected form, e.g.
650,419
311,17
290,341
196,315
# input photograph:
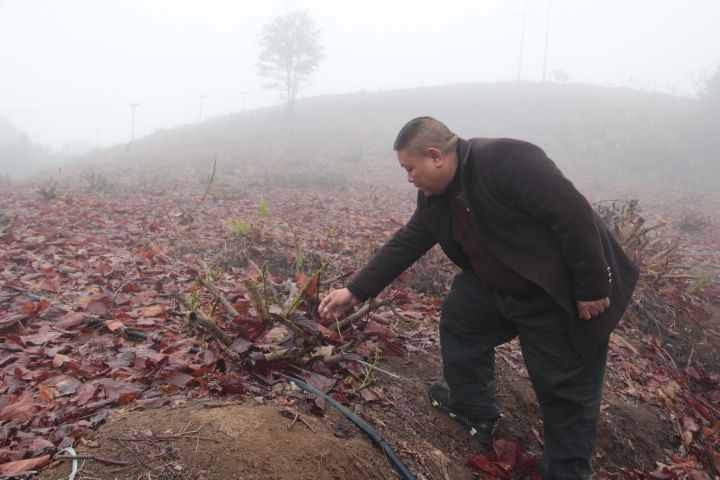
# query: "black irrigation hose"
364,426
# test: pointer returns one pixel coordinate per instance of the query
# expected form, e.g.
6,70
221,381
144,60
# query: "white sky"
69,68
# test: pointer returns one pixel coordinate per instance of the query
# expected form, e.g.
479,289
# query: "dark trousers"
568,385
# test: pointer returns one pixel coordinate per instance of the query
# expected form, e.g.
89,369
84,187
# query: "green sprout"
264,208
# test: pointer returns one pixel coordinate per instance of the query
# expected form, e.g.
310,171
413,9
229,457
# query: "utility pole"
133,106
202,103
547,39
522,40
243,102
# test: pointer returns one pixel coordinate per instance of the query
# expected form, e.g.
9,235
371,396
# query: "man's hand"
593,308
336,303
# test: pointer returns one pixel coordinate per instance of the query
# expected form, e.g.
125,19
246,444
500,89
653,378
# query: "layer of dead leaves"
89,319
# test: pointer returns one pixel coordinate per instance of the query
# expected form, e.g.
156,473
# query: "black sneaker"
481,429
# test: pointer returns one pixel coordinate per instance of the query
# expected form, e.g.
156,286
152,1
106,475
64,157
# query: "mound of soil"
224,442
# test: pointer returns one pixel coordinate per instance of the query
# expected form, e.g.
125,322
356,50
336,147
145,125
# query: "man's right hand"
336,303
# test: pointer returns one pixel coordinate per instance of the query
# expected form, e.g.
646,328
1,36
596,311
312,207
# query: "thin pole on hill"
243,100
202,103
547,39
133,106
522,40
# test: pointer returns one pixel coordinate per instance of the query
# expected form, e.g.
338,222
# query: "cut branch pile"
287,326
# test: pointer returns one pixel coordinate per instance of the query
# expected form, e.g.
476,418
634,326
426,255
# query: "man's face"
424,170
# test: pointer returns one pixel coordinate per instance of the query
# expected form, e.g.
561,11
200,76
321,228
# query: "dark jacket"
533,219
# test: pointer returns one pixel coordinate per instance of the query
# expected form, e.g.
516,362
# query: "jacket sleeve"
529,180
407,245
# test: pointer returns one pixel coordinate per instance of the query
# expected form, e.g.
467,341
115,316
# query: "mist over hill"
598,135
19,156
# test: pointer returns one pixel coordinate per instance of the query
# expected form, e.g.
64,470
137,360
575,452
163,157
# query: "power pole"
202,103
133,106
243,101
547,39
522,40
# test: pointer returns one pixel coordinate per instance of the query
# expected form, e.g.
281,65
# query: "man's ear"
435,154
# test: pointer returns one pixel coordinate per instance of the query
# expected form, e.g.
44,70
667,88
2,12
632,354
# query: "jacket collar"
456,187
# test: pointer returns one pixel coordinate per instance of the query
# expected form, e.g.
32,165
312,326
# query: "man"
537,263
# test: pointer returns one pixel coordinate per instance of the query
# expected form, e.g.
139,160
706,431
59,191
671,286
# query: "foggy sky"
69,68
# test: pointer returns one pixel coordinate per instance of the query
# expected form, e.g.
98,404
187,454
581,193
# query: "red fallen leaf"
86,393
10,455
98,305
310,286
147,322
209,358
131,287
483,464
7,360
242,306
179,379
127,397
46,393
64,384
155,358
41,338
13,468
114,389
701,409
663,473
367,348
371,394
146,252
114,325
528,467
50,285
690,424
152,311
232,385
145,298
104,268
322,383
12,320
71,320
393,347
507,453
33,309
240,345
197,370
59,359
122,299
329,334
38,444
375,328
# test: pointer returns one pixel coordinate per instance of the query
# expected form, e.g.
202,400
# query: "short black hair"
423,132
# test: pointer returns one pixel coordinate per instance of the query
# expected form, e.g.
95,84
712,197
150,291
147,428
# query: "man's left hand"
593,308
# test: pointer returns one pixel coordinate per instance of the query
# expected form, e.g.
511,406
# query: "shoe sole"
469,428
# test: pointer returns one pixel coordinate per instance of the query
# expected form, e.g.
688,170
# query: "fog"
71,68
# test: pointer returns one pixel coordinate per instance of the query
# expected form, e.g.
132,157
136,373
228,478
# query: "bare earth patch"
230,442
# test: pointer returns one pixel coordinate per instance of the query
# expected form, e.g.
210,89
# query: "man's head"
426,149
